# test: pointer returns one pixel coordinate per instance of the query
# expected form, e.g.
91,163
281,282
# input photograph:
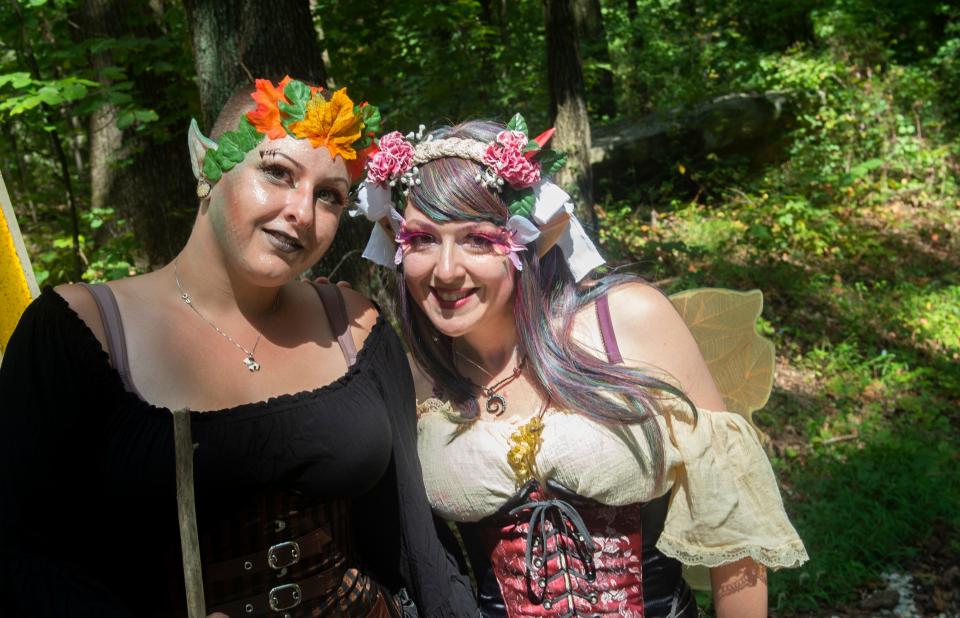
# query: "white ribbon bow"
374,202
579,251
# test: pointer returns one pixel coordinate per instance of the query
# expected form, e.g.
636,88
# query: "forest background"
808,148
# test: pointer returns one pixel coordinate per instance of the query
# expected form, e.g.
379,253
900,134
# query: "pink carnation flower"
393,159
505,157
512,140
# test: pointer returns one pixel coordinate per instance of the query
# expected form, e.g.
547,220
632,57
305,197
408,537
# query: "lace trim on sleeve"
787,556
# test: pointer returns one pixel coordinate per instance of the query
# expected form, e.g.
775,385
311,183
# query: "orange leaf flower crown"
301,111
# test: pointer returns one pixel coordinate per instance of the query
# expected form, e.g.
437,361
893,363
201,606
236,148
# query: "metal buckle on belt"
285,597
282,555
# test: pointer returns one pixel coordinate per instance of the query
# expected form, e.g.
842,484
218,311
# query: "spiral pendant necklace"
496,404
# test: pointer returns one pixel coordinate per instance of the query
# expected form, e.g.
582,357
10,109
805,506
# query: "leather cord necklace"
496,404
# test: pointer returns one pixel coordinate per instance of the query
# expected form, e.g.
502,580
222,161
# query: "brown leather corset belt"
290,559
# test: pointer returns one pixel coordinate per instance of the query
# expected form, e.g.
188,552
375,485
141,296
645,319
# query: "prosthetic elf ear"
199,144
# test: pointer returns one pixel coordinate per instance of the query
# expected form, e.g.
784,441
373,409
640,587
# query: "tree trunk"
568,107
593,36
153,190
635,90
499,8
488,16
98,18
237,40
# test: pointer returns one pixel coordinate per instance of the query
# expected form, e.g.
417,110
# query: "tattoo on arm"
747,576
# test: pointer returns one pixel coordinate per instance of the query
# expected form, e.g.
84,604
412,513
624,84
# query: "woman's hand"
740,589
340,284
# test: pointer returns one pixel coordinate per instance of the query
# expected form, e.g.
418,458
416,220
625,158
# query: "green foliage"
49,91
113,256
882,496
517,123
107,247
551,162
521,203
370,115
932,315
298,93
850,229
845,216
439,62
233,147
29,93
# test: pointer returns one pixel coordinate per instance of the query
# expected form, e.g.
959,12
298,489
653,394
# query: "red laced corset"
548,563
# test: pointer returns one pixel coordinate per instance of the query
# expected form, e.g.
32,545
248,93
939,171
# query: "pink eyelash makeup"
507,245
499,241
503,242
404,236
404,240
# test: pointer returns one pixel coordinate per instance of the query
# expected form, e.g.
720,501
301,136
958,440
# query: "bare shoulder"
83,304
643,314
422,382
133,294
640,300
360,310
361,313
79,299
651,334
636,309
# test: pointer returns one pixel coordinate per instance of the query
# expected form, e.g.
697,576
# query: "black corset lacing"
566,525
665,594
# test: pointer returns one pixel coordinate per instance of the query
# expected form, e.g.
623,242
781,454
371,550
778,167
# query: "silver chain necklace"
251,363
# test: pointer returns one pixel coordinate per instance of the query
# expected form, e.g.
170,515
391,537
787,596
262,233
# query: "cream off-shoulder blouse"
725,504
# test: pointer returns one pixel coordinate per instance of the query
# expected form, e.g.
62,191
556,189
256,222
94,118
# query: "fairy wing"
724,325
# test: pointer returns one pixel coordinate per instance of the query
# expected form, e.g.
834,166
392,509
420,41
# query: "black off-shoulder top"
88,518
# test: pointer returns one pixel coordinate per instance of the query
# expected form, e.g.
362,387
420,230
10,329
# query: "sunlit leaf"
523,205
119,98
146,115
125,119
17,80
551,162
517,123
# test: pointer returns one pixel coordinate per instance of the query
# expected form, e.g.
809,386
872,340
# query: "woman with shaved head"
308,494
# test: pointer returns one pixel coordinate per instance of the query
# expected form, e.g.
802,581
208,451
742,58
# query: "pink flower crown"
513,162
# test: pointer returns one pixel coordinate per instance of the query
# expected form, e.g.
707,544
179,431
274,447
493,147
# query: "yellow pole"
18,286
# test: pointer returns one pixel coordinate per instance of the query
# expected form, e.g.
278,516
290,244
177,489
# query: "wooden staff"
187,514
